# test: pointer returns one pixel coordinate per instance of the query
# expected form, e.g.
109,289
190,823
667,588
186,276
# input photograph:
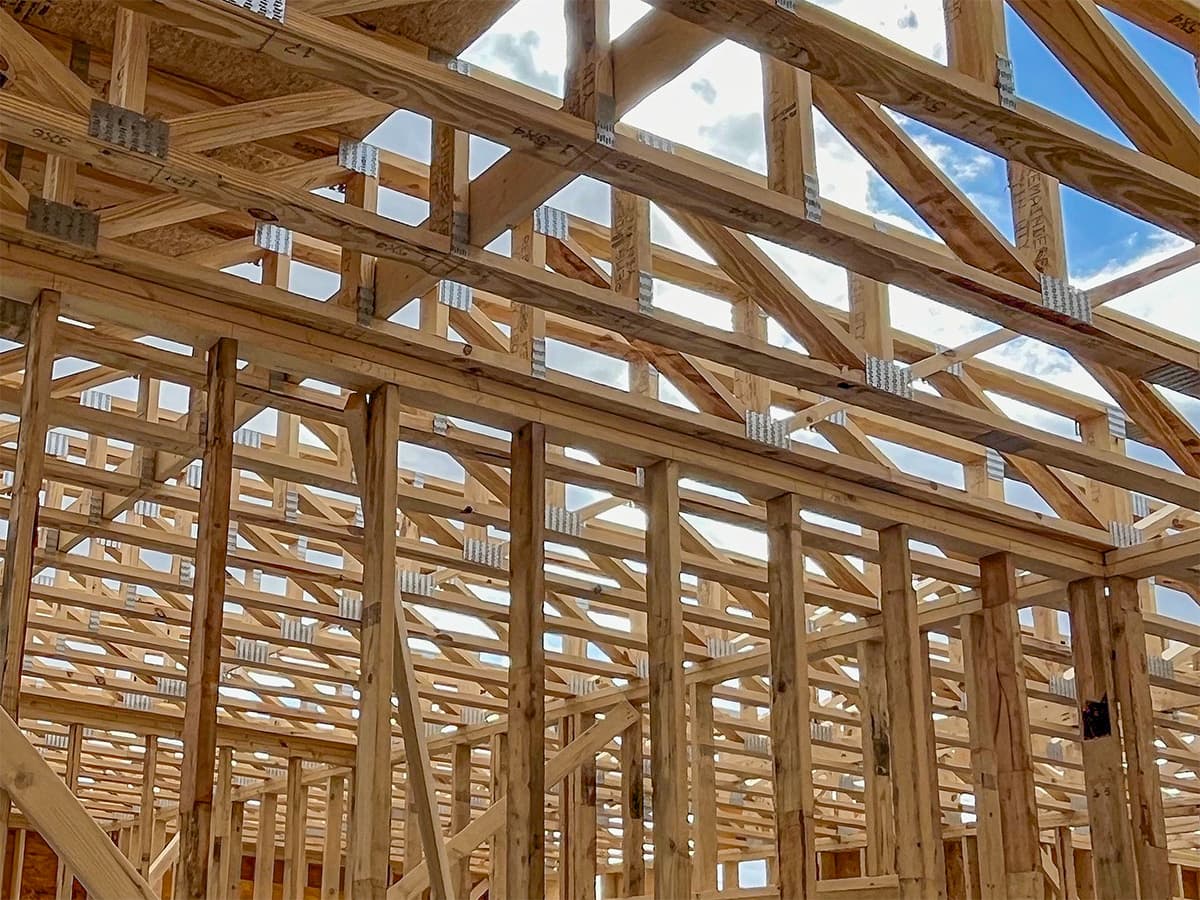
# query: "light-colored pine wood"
664,624
791,739
204,659
526,782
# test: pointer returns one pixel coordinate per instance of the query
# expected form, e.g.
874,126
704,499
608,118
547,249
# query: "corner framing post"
1103,773
791,735
204,656
668,729
918,862
1137,733
526,777
23,511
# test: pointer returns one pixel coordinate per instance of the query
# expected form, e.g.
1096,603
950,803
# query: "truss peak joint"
63,222
130,129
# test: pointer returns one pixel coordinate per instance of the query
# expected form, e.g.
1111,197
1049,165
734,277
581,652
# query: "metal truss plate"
994,464
885,375
606,120
1005,83
1058,295
455,295
275,238
812,198
551,222
537,357
656,141
359,156
268,9
645,292
1176,377
128,128
63,222
762,428
1124,534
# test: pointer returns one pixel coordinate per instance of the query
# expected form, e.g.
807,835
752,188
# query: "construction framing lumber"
419,481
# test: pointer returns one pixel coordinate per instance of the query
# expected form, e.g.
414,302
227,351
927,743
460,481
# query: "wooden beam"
63,822
204,656
1117,78
526,786
852,57
791,736
668,733
131,60
1108,815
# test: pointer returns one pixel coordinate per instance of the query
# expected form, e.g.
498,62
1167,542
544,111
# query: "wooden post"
526,673
1103,774
331,854
21,540
204,656
222,803
1001,750
497,858
582,844
146,848
232,868
18,864
374,446
791,734
65,880
460,813
295,855
633,827
668,731
264,848
704,790
877,760
1137,732
915,796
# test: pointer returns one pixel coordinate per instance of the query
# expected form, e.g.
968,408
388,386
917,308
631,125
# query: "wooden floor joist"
650,549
